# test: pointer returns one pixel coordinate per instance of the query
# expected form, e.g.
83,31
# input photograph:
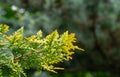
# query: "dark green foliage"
95,22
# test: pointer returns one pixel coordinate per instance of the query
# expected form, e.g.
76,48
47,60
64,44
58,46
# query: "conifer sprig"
18,52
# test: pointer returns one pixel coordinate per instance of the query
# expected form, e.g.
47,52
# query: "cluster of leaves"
95,22
18,52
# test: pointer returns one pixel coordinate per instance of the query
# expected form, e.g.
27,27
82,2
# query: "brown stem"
94,17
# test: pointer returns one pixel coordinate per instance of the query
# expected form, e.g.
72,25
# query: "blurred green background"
96,24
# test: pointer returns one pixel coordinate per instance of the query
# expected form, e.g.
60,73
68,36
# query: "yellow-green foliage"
18,52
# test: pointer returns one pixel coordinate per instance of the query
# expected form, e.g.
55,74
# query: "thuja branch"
18,52
26,55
